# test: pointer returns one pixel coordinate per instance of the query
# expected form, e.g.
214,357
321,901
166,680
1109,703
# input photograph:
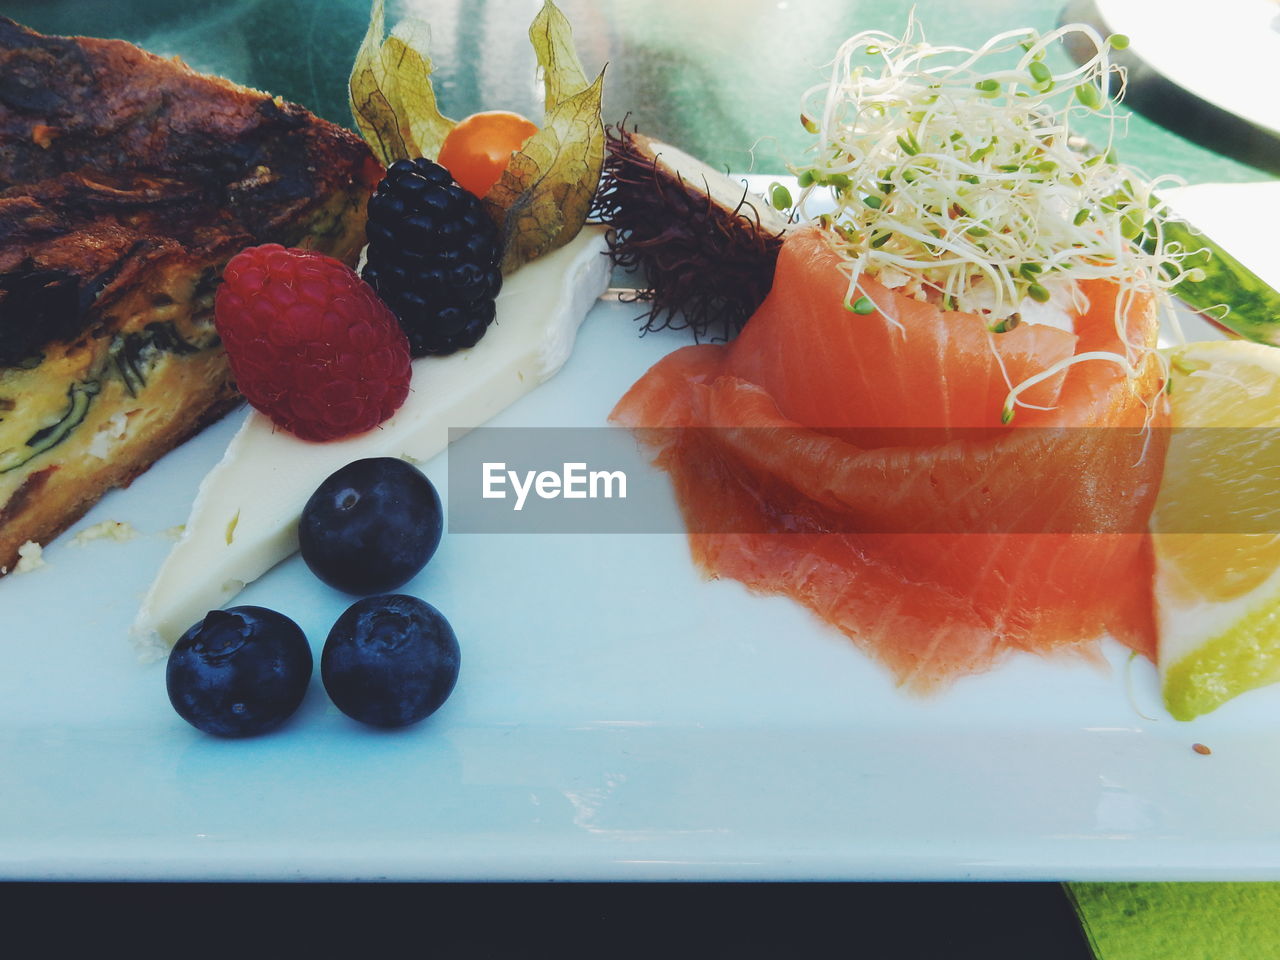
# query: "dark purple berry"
239,672
433,257
390,661
371,526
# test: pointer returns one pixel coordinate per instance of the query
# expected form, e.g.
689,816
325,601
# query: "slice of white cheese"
245,516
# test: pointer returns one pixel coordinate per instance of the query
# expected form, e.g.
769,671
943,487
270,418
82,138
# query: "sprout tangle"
956,180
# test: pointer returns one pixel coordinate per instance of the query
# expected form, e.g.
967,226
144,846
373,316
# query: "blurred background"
721,78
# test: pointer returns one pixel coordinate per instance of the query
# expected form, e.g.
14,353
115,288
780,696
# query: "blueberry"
371,526
239,672
390,661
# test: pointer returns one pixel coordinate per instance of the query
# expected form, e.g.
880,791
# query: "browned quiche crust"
126,183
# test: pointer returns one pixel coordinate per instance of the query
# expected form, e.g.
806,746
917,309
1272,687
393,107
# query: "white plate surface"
616,718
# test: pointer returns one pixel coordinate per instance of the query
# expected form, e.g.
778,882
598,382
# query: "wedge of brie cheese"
245,516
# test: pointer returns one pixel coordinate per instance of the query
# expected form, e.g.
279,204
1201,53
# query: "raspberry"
310,344
433,257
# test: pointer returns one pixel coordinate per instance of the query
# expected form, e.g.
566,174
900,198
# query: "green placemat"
1179,921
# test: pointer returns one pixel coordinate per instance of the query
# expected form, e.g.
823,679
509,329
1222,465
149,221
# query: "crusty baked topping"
112,159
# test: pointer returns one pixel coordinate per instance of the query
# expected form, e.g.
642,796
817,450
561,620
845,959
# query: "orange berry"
479,148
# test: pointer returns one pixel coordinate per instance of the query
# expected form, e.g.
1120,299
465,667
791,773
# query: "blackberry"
433,257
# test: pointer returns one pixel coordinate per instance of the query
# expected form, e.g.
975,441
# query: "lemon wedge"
1216,527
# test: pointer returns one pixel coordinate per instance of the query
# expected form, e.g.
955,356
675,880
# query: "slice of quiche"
127,181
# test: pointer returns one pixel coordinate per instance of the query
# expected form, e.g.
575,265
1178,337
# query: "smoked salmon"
860,464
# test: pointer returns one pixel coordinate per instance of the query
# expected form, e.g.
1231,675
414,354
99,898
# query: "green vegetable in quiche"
79,397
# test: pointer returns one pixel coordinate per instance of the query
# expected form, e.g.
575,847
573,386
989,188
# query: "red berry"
310,344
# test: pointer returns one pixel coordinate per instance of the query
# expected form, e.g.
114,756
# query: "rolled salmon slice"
858,464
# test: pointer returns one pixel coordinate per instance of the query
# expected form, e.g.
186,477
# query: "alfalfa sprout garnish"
957,179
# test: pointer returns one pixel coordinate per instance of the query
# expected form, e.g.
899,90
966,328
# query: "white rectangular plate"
617,717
